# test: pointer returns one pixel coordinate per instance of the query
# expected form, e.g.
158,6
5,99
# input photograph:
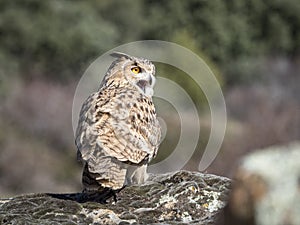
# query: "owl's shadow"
83,197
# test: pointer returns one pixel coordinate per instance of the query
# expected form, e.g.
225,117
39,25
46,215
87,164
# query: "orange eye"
136,70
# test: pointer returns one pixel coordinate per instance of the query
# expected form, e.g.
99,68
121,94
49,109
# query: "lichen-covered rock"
266,188
174,198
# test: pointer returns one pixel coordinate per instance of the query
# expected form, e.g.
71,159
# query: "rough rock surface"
266,189
174,198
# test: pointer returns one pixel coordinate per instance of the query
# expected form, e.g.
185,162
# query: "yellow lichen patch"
205,205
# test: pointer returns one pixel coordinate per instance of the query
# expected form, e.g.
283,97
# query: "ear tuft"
120,55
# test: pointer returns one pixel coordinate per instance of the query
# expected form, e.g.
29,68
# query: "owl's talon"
115,196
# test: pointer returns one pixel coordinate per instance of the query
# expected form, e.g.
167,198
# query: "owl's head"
138,72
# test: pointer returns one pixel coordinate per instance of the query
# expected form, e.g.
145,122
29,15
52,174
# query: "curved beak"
146,85
151,80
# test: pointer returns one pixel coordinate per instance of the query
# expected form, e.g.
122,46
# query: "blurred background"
253,47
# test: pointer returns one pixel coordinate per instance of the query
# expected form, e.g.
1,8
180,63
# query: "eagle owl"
118,132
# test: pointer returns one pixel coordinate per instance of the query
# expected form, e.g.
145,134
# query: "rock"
266,189
175,198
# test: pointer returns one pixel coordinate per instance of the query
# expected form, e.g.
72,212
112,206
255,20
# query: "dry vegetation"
261,114
37,144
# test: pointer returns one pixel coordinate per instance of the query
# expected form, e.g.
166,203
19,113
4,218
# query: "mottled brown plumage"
118,133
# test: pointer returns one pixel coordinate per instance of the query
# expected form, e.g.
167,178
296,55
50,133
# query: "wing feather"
111,126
